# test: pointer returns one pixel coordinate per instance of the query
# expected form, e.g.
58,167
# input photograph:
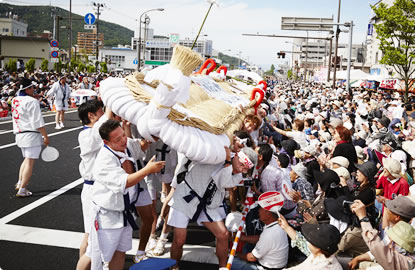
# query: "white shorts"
111,240
152,188
144,198
31,152
87,205
179,220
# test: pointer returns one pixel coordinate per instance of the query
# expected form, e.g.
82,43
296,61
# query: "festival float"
195,113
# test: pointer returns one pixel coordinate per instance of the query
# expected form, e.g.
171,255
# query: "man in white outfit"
199,194
114,194
61,92
90,142
28,125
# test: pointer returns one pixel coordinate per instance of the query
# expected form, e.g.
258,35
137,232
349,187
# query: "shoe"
160,246
160,223
58,126
151,244
62,126
138,258
22,194
163,196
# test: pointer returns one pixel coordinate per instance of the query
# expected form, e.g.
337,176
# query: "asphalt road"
44,231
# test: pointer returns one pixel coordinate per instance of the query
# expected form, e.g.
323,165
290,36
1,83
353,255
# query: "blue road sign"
54,43
135,61
89,18
54,54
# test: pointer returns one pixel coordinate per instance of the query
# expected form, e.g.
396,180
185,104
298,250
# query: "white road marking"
49,135
10,131
70,239
47,114
76,147
39,202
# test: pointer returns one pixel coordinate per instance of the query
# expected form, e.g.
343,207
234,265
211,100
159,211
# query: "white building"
373,54
13,27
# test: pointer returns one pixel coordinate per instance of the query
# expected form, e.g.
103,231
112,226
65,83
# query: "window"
5,30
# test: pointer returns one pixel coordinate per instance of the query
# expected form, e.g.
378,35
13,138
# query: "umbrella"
84,92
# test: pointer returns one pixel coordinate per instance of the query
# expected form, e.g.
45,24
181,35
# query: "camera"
347,204
248,181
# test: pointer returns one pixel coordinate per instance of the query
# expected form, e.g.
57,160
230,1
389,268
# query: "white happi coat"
27,118
90,143
198,177
110,186
59,92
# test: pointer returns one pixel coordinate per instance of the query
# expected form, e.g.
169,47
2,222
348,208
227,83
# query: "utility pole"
98,7
329,66
337,46
70,33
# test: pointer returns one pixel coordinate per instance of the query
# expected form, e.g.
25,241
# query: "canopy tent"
355,74
245,75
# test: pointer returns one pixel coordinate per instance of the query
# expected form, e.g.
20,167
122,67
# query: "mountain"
40,18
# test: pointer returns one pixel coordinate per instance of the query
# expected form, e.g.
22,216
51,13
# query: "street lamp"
139,36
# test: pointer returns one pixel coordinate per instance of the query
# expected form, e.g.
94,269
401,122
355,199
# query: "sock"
140,252
153,236
22,189
164,235
19,182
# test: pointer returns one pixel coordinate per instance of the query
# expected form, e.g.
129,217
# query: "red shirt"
391,191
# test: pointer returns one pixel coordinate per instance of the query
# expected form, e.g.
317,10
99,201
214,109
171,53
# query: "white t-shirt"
27,118
299,137
271,250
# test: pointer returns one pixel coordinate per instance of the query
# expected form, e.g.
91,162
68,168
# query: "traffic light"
281,55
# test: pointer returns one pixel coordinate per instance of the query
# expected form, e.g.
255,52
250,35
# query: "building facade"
11,26
87,42
24,48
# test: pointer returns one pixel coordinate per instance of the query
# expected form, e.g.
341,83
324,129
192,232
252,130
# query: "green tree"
271,71
74,64
44,66
58,66
81,67
396,33
104,67
11,66
289,74
91,68
31,65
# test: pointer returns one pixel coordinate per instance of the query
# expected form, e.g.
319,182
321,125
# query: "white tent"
355,74
244,75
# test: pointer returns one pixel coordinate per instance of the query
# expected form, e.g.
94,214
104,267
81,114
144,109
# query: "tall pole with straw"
212,2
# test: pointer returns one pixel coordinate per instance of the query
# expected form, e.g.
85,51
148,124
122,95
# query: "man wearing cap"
271,250
318,242
61,92
391,181
28,126
402,209
199,194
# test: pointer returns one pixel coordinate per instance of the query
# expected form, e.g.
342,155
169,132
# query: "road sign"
135,61
54,60
89,26
54,43
54,48
89,18
174,38
306,24
54,54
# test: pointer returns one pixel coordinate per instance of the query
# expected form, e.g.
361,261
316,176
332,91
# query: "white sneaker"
62,126
23,193
138,258
151,244
58,126
160,246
